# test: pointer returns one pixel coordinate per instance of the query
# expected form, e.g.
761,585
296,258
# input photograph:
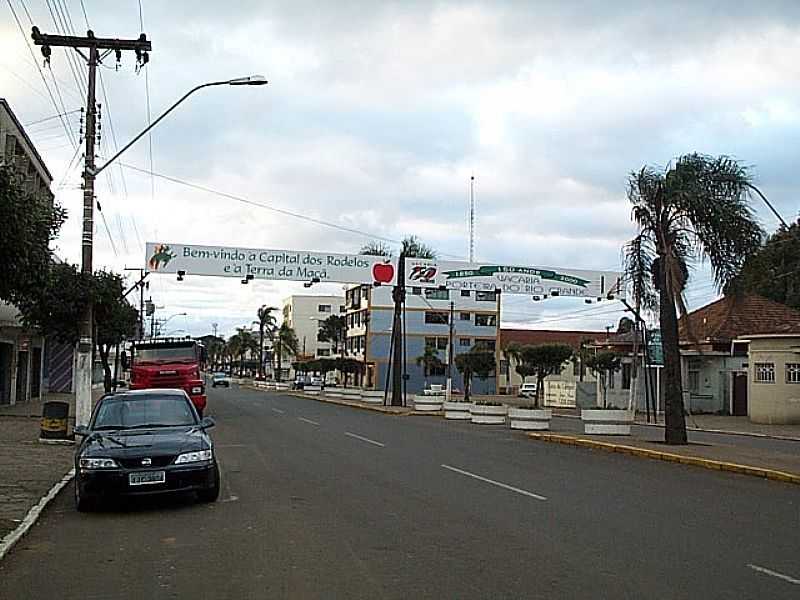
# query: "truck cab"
173,363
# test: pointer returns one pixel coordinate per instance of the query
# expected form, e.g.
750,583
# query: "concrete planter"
457,411
372,396
530,419
281,386
269,385
602,421
334,393
312,390
428,403
484,414
351,393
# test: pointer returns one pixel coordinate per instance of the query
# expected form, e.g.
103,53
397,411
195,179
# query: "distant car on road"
300,382
527,390
220,379
145,442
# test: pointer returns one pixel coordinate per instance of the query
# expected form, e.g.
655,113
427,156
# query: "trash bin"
54,421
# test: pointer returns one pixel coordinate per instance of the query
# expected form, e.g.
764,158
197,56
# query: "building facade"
774,374
304,313
370,314
22,353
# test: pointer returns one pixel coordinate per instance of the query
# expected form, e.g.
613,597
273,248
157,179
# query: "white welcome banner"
534,281
257,263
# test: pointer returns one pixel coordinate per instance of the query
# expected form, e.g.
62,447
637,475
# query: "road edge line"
696,461
10,540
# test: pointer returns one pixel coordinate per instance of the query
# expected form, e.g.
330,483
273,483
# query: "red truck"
169,363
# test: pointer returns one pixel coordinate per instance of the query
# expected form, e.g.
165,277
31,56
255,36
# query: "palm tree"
429,360
411,247
375,248
267,325
287,343
333,330
697,208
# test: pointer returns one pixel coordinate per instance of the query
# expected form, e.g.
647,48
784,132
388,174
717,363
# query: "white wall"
303,314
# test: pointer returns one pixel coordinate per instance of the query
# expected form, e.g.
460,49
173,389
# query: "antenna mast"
472,218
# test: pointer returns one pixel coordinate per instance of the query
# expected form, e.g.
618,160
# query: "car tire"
212,493
83,503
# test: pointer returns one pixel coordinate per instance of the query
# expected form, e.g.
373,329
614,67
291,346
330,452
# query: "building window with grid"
626,375
436,318
466,316
792,372
324,308
437,294
486,320
465,293
465,342
485,296
694,381
765,372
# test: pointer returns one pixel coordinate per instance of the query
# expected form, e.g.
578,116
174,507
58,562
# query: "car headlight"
197,389
190,457
98,463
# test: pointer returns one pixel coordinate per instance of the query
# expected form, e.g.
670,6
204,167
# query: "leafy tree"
215,348
114,318
29,224
333,330
510,353
474,363
429,360
287,345
375,248
625,325
774,270
240,344
697,208
267,326
541,361
604,365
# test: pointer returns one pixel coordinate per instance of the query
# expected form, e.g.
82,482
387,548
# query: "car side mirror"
80,430
207,423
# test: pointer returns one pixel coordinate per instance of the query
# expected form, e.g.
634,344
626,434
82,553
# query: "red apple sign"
383,272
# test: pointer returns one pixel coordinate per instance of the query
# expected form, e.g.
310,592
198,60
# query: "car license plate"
146,477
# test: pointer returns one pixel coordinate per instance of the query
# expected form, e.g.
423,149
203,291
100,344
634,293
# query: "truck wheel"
212,493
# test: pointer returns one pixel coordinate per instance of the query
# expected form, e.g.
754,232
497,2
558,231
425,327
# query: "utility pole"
141,284
449,390
93,45
399,297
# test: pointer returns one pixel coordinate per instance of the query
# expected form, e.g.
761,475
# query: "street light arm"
96,171
768,203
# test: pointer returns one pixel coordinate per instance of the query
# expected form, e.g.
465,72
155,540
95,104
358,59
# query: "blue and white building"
370,311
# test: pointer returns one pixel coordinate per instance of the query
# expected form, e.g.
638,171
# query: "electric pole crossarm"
70,41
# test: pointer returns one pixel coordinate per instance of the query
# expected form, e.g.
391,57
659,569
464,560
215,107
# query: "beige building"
774,377
303,313
22,361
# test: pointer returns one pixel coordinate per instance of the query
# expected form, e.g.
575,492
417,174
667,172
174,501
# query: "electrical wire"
38,68
50,118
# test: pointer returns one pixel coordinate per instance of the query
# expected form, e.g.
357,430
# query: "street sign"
258,263
530,280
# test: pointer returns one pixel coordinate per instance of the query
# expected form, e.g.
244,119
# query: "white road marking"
308,421
363,439
772,573
278,410
497,483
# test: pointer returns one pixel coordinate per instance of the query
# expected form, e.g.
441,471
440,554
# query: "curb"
696,461
8,542
755,434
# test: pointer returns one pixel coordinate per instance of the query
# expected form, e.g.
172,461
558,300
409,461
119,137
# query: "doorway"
740,394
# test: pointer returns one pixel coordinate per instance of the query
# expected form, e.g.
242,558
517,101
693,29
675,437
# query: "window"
466,317
430,342
324,308
436,317
694,381
417,291
465,342
765,372
485,296
792,372
485,345
465,293
341,308
436,294
436,370
486,320
611,377
441,343
323,352
626,375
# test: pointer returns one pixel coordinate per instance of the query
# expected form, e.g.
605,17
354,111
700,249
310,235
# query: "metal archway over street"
304,265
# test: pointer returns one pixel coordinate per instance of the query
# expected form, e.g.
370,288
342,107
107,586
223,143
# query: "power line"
38,68
50,118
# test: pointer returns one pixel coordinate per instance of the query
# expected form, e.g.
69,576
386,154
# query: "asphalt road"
322,501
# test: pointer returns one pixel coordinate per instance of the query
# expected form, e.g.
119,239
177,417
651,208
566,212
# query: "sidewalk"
28,468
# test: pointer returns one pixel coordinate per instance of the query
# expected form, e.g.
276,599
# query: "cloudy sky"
377,113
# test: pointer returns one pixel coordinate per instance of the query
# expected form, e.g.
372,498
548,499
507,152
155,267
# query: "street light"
250,80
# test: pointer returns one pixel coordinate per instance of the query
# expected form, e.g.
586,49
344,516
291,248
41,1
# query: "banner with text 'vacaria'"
534,281
290,265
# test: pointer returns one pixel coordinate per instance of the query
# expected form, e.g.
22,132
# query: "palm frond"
639,254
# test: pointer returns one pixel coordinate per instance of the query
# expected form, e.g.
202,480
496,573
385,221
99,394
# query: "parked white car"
527,390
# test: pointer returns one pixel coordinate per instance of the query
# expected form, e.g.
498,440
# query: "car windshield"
143,412
165,353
